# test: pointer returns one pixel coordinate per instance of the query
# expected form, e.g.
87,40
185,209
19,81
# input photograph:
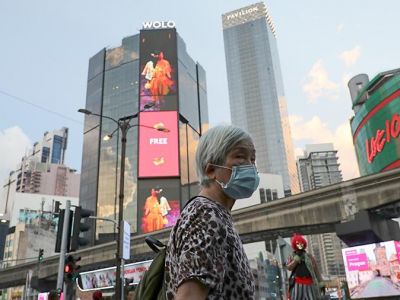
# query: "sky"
46,46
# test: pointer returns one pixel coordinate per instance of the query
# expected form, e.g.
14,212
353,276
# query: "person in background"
53,295
97,295
205,258
307,281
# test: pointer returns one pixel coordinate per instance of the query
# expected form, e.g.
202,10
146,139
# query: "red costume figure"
161,82
305,281
152,219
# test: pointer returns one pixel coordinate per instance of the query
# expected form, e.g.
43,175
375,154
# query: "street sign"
126,249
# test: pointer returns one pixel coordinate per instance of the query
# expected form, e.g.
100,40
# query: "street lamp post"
124,126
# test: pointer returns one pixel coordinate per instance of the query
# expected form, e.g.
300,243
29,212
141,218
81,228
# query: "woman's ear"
210,171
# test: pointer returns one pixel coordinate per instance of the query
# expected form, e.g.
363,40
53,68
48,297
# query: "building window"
269,194
274,194
57,148
45,154
262,195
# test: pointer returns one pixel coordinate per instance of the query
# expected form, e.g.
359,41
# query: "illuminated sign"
158,150
105,278
158,24
158,70
376,144
373,270
242,12
158,204
376,130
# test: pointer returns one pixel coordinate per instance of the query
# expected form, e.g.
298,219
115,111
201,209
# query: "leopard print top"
204,245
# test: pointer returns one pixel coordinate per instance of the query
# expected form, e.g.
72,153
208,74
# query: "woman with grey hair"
205,257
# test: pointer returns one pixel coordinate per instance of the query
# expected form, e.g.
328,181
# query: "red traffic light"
67,269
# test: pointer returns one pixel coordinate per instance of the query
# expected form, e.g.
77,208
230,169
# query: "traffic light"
41,255
71,269
60,229
68,268
78,227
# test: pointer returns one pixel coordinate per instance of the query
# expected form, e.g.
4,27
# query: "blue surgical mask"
243,182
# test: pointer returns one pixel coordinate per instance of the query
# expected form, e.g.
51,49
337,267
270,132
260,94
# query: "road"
378,286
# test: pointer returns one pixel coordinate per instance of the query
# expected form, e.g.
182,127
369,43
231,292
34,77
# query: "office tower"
319,167
375,124
256,92
151,75
42,171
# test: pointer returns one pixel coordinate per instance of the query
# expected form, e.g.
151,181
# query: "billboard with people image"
158,204
158,69
373,270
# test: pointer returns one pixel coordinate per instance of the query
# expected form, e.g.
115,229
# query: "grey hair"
215,145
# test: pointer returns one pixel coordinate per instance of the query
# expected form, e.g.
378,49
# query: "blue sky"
46,45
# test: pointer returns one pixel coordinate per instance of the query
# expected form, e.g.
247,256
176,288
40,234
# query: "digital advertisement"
158,204
105,278
376,133
373,270
158,144
158,69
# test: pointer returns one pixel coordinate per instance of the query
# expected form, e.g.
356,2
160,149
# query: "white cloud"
13,144
315,131
319,85
340,27
298,152
345,79
351,56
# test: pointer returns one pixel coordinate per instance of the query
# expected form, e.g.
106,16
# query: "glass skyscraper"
256,93
119,86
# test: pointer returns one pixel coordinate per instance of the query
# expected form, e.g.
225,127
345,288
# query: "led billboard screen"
105,278
158,204
376,132
158,150
158,69
373,270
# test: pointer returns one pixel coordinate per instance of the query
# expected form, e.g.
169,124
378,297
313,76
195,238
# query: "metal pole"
116,185
119,282
64,242
283,272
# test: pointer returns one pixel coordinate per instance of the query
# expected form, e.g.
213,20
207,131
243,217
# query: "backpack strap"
154,244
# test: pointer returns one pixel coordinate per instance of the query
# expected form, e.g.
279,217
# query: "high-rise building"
319,167
42,171
375,125
256,92
151,75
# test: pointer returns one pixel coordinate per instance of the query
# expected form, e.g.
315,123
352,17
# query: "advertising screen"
376,133
158,69
373,270
158,204
105,278
158,150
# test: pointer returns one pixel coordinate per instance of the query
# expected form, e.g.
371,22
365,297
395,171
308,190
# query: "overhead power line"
39,107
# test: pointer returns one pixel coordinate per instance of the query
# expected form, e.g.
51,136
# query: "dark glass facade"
57,149
91,137
45,154
256,93
113,90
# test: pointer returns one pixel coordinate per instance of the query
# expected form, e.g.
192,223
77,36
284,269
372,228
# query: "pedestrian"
97,295
53,295
205,257
305,281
